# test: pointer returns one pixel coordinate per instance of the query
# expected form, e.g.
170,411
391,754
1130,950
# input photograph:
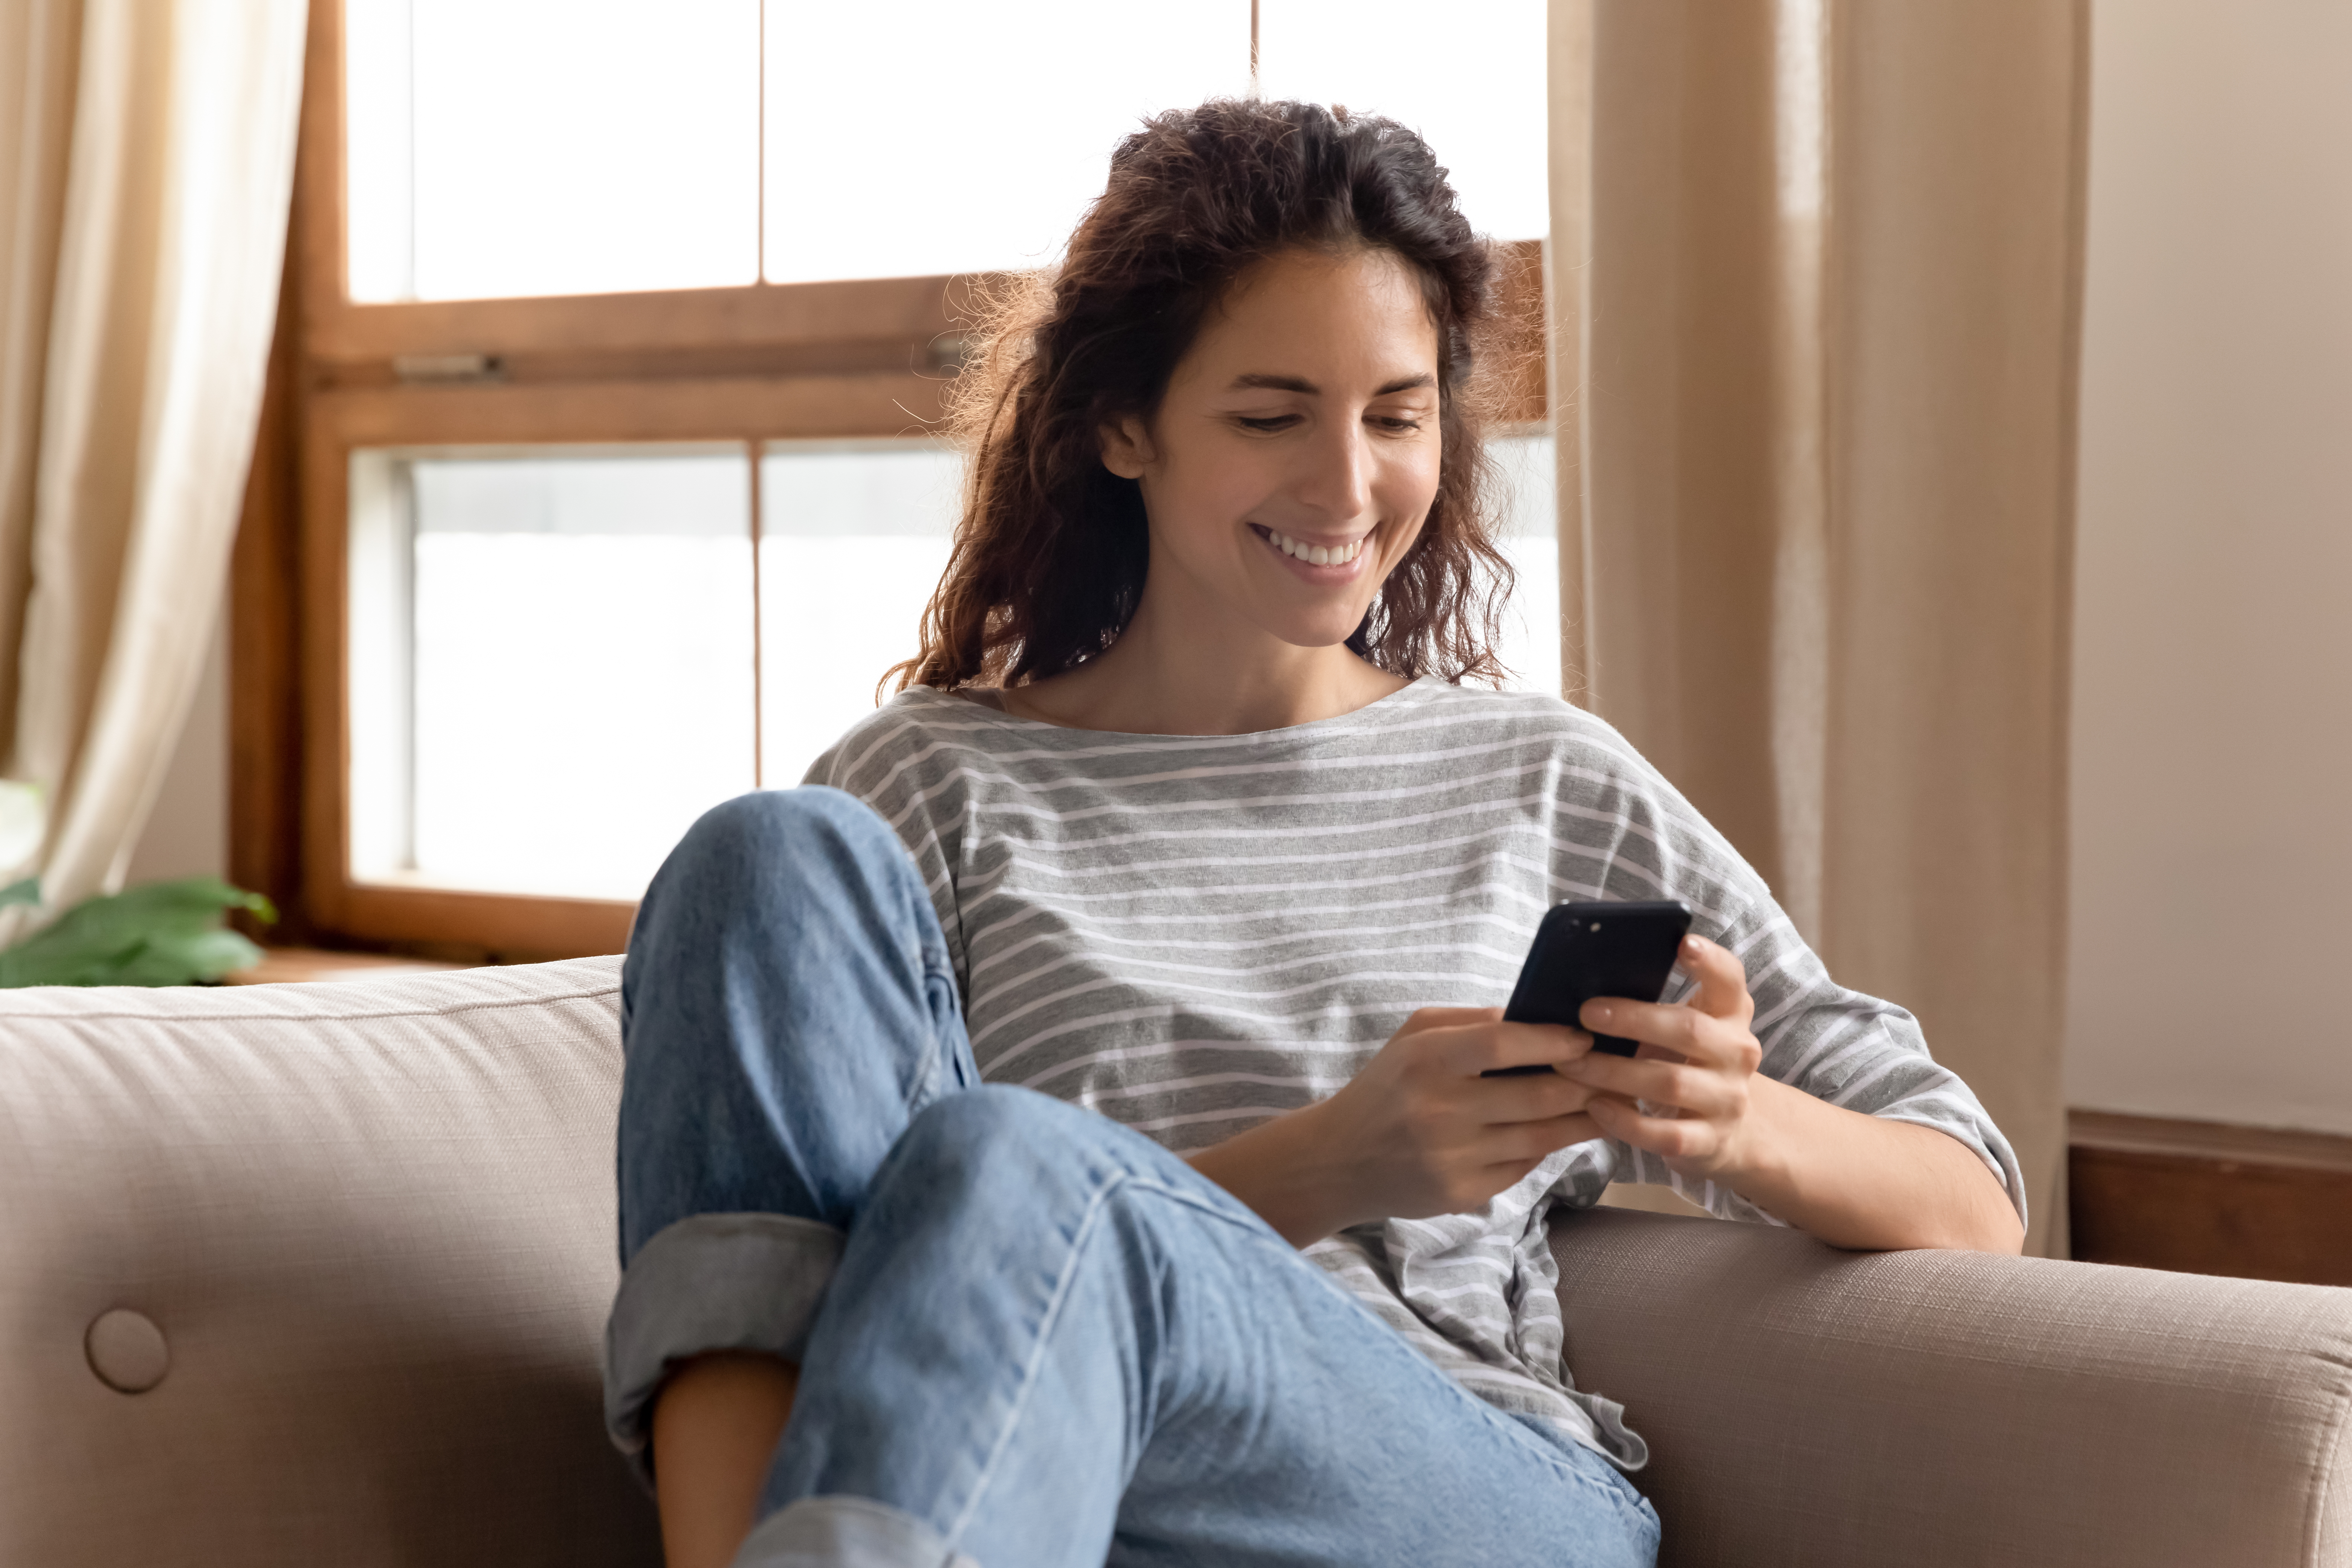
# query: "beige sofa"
316,1274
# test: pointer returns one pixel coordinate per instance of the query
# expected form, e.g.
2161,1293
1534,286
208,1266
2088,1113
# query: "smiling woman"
999,1112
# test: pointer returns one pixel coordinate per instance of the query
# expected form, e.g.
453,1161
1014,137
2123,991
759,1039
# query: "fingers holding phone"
1462,1102
1684,1095
1428,1130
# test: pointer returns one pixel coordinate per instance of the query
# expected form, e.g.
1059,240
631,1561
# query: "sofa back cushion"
311,1274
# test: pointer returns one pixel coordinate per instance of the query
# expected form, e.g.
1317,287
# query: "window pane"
1530,538
1470,78
934,136
853,537
551,662
506,147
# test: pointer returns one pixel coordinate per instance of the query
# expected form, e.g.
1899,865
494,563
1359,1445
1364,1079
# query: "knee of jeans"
754,826
979,1145
767,838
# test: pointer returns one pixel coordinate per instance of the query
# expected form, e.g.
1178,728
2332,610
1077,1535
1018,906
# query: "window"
551,661
855,540
619,335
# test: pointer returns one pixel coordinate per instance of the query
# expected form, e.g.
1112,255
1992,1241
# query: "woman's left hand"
1696,1069
1851,1179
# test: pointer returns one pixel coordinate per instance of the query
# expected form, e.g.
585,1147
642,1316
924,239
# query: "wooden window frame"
760,362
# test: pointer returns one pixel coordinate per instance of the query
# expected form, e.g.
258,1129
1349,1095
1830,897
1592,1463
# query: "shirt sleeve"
1837,1045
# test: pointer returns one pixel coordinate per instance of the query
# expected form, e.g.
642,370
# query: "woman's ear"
1127,447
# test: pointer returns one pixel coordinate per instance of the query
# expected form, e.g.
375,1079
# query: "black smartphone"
1584,951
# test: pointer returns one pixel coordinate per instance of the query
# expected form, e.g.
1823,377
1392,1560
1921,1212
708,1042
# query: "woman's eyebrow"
1255,382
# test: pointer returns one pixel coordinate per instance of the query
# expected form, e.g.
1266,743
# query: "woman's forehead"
1303,316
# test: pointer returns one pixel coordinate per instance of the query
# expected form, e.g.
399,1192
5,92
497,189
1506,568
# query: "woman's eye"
1267,423
1394,423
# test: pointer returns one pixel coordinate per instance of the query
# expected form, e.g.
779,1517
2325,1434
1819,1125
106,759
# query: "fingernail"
1692,944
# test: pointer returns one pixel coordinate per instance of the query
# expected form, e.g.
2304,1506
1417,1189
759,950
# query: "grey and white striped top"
1194,933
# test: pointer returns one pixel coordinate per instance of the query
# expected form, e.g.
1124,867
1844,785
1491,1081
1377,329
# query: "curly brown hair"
1048,561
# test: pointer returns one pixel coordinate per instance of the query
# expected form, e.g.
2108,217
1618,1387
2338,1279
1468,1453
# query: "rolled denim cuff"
845,1532
709,1282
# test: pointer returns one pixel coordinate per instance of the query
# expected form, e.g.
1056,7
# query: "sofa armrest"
1807,1405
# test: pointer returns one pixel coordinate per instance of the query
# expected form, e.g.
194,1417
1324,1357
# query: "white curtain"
1815,269
146,166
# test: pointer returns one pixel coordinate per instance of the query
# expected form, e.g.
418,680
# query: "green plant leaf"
161,933
28,891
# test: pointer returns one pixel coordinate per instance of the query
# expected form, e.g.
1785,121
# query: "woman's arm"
1421,1131
1855,1181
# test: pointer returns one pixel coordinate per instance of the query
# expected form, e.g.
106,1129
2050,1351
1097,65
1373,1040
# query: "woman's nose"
1335,475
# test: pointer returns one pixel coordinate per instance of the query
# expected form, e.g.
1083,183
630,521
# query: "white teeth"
1315,555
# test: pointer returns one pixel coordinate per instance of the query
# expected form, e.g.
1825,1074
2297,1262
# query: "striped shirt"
1191,935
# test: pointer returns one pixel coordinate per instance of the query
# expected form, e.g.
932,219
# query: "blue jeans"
1028,1337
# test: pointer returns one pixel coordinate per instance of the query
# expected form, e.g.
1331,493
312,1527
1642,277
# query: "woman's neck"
1167,678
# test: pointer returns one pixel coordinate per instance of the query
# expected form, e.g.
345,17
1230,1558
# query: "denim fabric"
1028,1336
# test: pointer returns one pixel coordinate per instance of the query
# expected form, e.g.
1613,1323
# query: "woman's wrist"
1794,1159
1763,1157
1856,1180
1284,1169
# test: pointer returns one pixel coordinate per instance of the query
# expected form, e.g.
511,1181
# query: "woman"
1187,842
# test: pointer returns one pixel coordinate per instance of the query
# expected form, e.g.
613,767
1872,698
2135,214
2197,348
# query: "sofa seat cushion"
371,1228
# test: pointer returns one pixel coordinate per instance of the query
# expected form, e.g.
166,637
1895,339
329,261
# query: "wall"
2212,820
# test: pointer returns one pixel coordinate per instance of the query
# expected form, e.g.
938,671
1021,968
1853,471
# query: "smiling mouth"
1312,555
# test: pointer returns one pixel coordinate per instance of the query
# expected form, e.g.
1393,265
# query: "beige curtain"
1815,269
146,165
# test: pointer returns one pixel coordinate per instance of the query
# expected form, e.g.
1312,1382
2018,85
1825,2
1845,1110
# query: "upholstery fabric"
374,1223
1808,1407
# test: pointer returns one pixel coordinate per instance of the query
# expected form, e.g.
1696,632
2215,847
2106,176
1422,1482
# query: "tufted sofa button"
127,1351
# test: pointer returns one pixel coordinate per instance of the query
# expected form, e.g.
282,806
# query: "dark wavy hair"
1048,561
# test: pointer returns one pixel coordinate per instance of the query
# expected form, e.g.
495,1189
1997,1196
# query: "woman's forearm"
1856,1180
1692,1096
1866,1182
1286,1170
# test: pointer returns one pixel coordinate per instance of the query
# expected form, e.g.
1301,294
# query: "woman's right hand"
1420,1131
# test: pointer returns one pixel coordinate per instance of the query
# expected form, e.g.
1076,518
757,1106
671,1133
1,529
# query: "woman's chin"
1317,631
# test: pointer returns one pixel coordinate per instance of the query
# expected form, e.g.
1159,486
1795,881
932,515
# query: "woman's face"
1296,453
